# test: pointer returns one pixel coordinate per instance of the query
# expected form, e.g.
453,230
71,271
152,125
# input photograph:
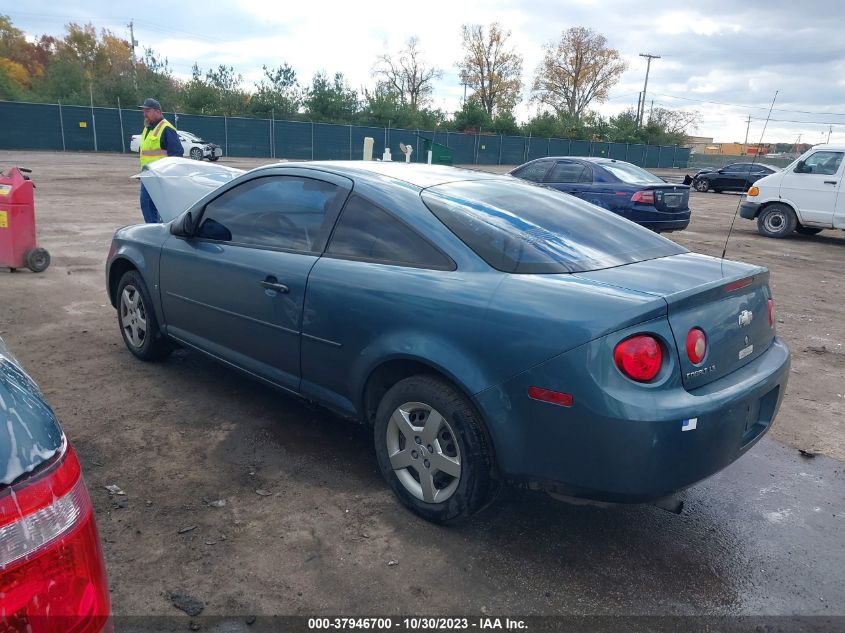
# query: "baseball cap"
151,103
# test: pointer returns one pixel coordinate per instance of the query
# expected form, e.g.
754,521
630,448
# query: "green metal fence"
78,128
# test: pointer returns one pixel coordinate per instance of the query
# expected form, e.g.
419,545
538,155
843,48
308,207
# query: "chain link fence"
40,126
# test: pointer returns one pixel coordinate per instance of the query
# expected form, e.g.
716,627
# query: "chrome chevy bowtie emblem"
745,317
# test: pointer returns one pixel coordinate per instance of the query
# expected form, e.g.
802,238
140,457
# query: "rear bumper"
673,224
657,220
627,442
749,210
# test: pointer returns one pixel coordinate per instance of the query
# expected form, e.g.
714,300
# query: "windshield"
626,172
517,227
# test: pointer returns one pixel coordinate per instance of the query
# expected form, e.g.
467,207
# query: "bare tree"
674,123
576,71
407,75
491,69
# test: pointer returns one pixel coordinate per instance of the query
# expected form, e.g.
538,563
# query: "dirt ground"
308,525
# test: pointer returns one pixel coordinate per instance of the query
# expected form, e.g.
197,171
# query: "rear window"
522,228
29,434
626,172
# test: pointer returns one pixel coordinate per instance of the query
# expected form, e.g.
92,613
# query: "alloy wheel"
133,316
424,452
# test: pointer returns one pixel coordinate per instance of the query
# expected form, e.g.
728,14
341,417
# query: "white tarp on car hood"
175,183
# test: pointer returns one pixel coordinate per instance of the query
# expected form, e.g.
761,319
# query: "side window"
534,172
568,171
587,175
826,163
365,231
287,212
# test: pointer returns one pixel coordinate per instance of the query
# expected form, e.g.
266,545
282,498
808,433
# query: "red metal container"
18,248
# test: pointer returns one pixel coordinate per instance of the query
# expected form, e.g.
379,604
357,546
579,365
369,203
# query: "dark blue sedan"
487,329
615,185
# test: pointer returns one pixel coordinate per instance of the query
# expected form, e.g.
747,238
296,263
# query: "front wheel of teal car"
432,450
137,321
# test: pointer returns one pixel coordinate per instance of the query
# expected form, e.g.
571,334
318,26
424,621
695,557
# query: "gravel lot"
308,526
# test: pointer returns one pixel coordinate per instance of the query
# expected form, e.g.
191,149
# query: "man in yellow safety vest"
158,140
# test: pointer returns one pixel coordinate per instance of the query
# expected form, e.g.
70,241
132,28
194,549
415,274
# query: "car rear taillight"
639,357
52,576
771,313
696,345
643,197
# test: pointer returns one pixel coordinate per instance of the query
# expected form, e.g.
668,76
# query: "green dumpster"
440,154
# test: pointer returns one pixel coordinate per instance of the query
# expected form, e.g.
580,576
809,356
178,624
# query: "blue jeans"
148,208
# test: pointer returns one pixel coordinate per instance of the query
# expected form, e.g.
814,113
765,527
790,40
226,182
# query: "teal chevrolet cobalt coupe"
489,330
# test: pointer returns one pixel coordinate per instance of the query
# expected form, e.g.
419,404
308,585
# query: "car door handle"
830,182
272,284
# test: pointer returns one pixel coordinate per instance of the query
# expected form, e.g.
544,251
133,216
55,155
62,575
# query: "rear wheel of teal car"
137,321
432,450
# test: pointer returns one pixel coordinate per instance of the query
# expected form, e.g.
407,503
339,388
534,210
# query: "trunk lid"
728,302
670,198
176,183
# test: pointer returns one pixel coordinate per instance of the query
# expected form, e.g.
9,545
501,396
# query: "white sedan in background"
193,146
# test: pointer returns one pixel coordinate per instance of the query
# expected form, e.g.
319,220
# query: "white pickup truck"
807,196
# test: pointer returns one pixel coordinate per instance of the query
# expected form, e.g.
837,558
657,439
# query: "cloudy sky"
725,59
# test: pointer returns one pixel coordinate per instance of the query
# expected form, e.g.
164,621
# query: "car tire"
196,153
776,220
137,320
37,259
808,230
424,422
702,185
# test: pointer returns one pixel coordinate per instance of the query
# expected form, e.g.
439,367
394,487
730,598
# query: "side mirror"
184,227
799,168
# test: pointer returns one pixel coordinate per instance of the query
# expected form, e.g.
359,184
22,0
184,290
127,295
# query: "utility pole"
639,105
132,44
747,127
648,56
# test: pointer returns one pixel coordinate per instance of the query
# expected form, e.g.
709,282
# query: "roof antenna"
753,162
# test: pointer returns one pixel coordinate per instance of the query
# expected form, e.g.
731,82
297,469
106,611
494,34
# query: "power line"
808,122
741,105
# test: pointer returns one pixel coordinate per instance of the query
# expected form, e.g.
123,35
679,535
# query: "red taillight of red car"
643,197
52,576
696,345
639,357
771,313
